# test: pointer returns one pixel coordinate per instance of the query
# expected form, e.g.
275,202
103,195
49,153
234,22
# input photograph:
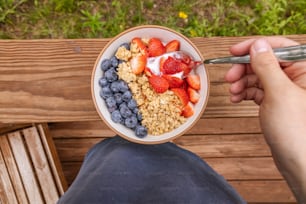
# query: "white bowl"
166,35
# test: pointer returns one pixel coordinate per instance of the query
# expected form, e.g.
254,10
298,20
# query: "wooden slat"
12,168
264,191
7,194
208,146
34,72
53,158
203,126
41,166
24,165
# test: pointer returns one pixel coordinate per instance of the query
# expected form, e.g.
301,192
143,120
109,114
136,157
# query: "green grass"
32,19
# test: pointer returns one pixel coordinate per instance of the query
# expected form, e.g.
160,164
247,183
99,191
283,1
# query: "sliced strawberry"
172,66
148,72
182,94
193,94
173,45
193,81
140,44
159,84
174,82
155,47
161,63
138,64
188,110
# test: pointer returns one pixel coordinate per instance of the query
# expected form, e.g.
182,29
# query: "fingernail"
261,45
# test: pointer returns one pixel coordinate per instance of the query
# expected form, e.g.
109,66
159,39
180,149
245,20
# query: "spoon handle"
284,54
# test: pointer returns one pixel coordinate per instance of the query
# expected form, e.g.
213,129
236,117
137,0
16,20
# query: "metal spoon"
284,54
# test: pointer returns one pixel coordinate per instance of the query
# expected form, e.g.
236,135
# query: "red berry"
174,82
172,46
155,47
193,81
182,94
159,84
193,94
188,110
138,64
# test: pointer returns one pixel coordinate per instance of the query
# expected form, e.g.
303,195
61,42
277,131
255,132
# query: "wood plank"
7,193
264,191
53,158
84,129
5,128
41,165
254,168
25,168
46,66
13,170
208,146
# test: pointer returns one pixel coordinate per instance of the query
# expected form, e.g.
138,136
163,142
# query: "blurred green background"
33,19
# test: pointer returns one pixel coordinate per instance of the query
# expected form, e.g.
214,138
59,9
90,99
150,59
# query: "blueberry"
116,116
132,104
111,75
123,104
106,92
106,64
135,110
125,111
115,86
123,86
126,45
110,101
131,122
127,96
112,109
114,61
103,82
141,131
139,116
118,98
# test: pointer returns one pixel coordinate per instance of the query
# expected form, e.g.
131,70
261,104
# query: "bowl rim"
141,141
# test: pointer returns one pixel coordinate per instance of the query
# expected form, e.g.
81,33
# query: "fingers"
266,66
252,93
244,47
245,82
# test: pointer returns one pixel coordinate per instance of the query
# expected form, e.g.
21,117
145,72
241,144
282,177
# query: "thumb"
266,66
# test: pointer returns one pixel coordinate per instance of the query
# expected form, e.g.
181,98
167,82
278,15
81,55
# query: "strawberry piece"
140,44
193,81
174,82
182,94
138,64
161,63
159,84
172,66
173,45
188,110
148,72
155,47
193,94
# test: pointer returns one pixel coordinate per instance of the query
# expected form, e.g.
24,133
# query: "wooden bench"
30,171
48,81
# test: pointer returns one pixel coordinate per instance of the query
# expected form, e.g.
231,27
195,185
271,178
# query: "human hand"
280,91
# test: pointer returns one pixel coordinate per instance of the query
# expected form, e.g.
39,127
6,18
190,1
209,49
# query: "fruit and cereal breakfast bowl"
145,90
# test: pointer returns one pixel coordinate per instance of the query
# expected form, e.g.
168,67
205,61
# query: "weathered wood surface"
49,80
234,147
27,170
